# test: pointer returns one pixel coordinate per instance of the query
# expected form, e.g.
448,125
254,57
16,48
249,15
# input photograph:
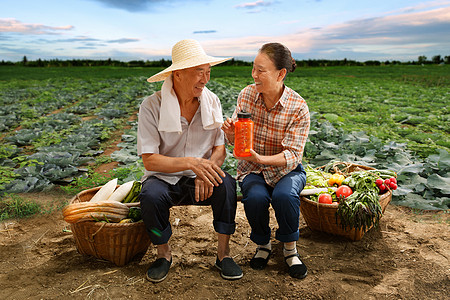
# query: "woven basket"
322,217
114,242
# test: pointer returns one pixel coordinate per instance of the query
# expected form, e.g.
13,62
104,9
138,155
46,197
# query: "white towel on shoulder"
211,110
169,115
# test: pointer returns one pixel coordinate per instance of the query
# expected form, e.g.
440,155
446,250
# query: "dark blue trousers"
257,196
158,196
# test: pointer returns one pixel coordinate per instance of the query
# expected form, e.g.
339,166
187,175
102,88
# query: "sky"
147,29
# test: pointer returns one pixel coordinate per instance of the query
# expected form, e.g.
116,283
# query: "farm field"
56,123
69,129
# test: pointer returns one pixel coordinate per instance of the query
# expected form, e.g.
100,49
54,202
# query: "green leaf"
333,118
440,160
440,183
412,169
416,201
330,145
403,190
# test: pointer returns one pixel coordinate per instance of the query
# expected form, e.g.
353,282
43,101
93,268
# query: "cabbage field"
55,123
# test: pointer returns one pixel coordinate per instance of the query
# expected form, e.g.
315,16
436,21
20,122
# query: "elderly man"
182,147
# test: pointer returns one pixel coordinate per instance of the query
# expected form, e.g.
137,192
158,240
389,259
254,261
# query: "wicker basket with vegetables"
106,222
346,199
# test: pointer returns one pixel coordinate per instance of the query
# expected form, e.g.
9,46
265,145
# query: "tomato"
343,192
325,198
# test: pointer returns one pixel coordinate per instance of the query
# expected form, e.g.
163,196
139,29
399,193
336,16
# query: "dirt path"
407,257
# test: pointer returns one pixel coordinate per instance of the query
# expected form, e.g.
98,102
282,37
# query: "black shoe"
259,263
298,271
159,269
229,269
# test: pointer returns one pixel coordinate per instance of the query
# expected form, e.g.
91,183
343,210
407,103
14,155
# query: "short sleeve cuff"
147,149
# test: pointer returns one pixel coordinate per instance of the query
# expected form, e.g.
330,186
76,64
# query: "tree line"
421,60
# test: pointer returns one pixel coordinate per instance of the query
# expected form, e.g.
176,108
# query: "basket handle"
318,214
91,238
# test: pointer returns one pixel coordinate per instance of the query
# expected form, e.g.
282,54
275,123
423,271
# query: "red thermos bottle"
243,134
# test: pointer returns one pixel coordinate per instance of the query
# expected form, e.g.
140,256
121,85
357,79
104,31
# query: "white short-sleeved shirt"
193,141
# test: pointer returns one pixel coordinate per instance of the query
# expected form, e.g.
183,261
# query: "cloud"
14,26
87,41
253,5
129,5
5,38
140,5
396,29
74,40
123,41
204,31
94,45
406,35
19,51
421,6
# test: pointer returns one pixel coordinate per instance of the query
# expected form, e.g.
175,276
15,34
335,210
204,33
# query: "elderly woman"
273,174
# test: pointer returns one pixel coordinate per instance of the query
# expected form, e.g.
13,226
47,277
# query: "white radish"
308,192
121,192
105,191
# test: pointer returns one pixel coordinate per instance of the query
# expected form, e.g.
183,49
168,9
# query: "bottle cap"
244,115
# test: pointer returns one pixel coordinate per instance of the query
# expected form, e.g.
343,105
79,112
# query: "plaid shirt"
283,128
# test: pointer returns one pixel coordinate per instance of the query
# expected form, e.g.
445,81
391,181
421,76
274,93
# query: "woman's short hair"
280,56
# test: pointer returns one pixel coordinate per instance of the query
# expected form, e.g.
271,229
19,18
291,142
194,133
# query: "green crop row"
392,117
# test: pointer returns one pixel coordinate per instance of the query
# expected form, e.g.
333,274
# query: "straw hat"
186,54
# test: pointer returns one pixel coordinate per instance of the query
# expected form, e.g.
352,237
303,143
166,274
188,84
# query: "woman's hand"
255,157
202,190
278,160
228,129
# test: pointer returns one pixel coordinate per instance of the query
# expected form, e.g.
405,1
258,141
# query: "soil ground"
406,257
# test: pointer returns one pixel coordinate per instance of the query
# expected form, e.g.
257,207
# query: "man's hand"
209,172
202,191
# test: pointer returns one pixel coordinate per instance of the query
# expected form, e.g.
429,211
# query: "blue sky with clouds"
147,29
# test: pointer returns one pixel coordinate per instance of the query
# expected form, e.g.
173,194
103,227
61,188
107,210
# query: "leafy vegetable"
360,210
316,178
135,214
133,194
